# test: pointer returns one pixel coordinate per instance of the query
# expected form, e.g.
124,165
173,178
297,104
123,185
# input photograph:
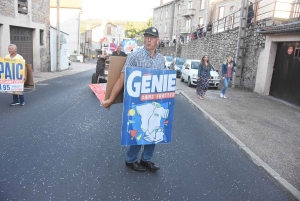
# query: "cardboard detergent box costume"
148,98
148,106
12,75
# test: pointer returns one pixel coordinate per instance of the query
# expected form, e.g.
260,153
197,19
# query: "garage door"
285,83
22,38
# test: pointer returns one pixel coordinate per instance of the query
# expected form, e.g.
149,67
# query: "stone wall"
41,14
7,8
221,45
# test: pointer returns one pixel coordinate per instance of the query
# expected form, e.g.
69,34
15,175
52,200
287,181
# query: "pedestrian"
147,57
119,52
17,99
250,13
198,31
203,30
209,26
227,70
203,77
100,66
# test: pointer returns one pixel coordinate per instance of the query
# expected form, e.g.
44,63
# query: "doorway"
285,82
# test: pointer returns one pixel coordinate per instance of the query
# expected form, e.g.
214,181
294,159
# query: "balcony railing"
187,12
261,10
185,30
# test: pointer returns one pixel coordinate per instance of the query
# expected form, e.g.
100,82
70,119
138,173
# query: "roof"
283,28
163,5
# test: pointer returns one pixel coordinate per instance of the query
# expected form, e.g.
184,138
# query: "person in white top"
17,99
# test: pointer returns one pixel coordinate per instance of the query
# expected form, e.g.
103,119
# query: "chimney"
161,2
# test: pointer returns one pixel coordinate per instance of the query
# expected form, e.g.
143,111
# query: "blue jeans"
134,150
225,82
18,98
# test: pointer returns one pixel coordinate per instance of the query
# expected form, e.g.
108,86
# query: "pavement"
265,128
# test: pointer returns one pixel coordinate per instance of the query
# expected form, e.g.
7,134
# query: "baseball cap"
151,31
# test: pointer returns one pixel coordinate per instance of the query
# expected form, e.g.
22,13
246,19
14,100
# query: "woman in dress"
203,77
227,69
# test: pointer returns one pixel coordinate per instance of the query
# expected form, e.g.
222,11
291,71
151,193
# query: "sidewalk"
76,67
265,128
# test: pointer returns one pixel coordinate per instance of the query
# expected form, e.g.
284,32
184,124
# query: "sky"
133,10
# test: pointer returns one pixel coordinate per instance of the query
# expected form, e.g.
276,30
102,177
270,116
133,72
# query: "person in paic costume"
17,99
147,57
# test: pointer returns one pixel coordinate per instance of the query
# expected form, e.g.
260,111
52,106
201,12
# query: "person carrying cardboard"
17,99
147,57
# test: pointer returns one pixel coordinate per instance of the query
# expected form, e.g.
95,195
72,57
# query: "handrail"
232,20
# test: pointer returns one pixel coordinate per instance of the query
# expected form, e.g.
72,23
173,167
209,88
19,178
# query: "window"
23,7
108,31
231,8
200,20
41,37
188,25
166,27
167,14
221,12
161,15
190,4
201,4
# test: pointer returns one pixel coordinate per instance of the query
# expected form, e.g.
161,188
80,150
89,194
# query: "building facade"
69,18
104,35
181,17
26,24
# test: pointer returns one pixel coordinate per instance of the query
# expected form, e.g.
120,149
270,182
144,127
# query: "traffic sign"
119,30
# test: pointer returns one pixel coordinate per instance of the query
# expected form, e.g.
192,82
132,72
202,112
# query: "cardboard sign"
99,90
29,83
12,75
115,67
148,106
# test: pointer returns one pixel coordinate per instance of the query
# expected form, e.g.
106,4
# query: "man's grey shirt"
142,58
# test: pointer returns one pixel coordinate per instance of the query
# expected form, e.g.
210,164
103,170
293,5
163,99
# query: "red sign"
290,50
99,90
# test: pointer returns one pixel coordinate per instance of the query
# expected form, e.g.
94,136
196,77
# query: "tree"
149,22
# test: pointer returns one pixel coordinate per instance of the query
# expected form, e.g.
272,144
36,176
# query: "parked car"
189,73
168,60
177,64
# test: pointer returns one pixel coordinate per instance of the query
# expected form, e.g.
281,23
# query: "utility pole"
84,46
241,46
57,38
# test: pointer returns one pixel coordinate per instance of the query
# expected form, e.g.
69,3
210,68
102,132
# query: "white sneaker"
221,95
224,96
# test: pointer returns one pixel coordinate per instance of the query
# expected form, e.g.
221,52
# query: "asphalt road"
63,146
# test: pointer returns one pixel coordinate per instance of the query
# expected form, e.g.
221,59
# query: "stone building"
180,17
26,24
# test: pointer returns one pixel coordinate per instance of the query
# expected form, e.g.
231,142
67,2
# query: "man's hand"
106,104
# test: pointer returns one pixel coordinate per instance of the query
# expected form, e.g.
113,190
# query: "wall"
41,14
63,51
7,8
69,23
37,19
